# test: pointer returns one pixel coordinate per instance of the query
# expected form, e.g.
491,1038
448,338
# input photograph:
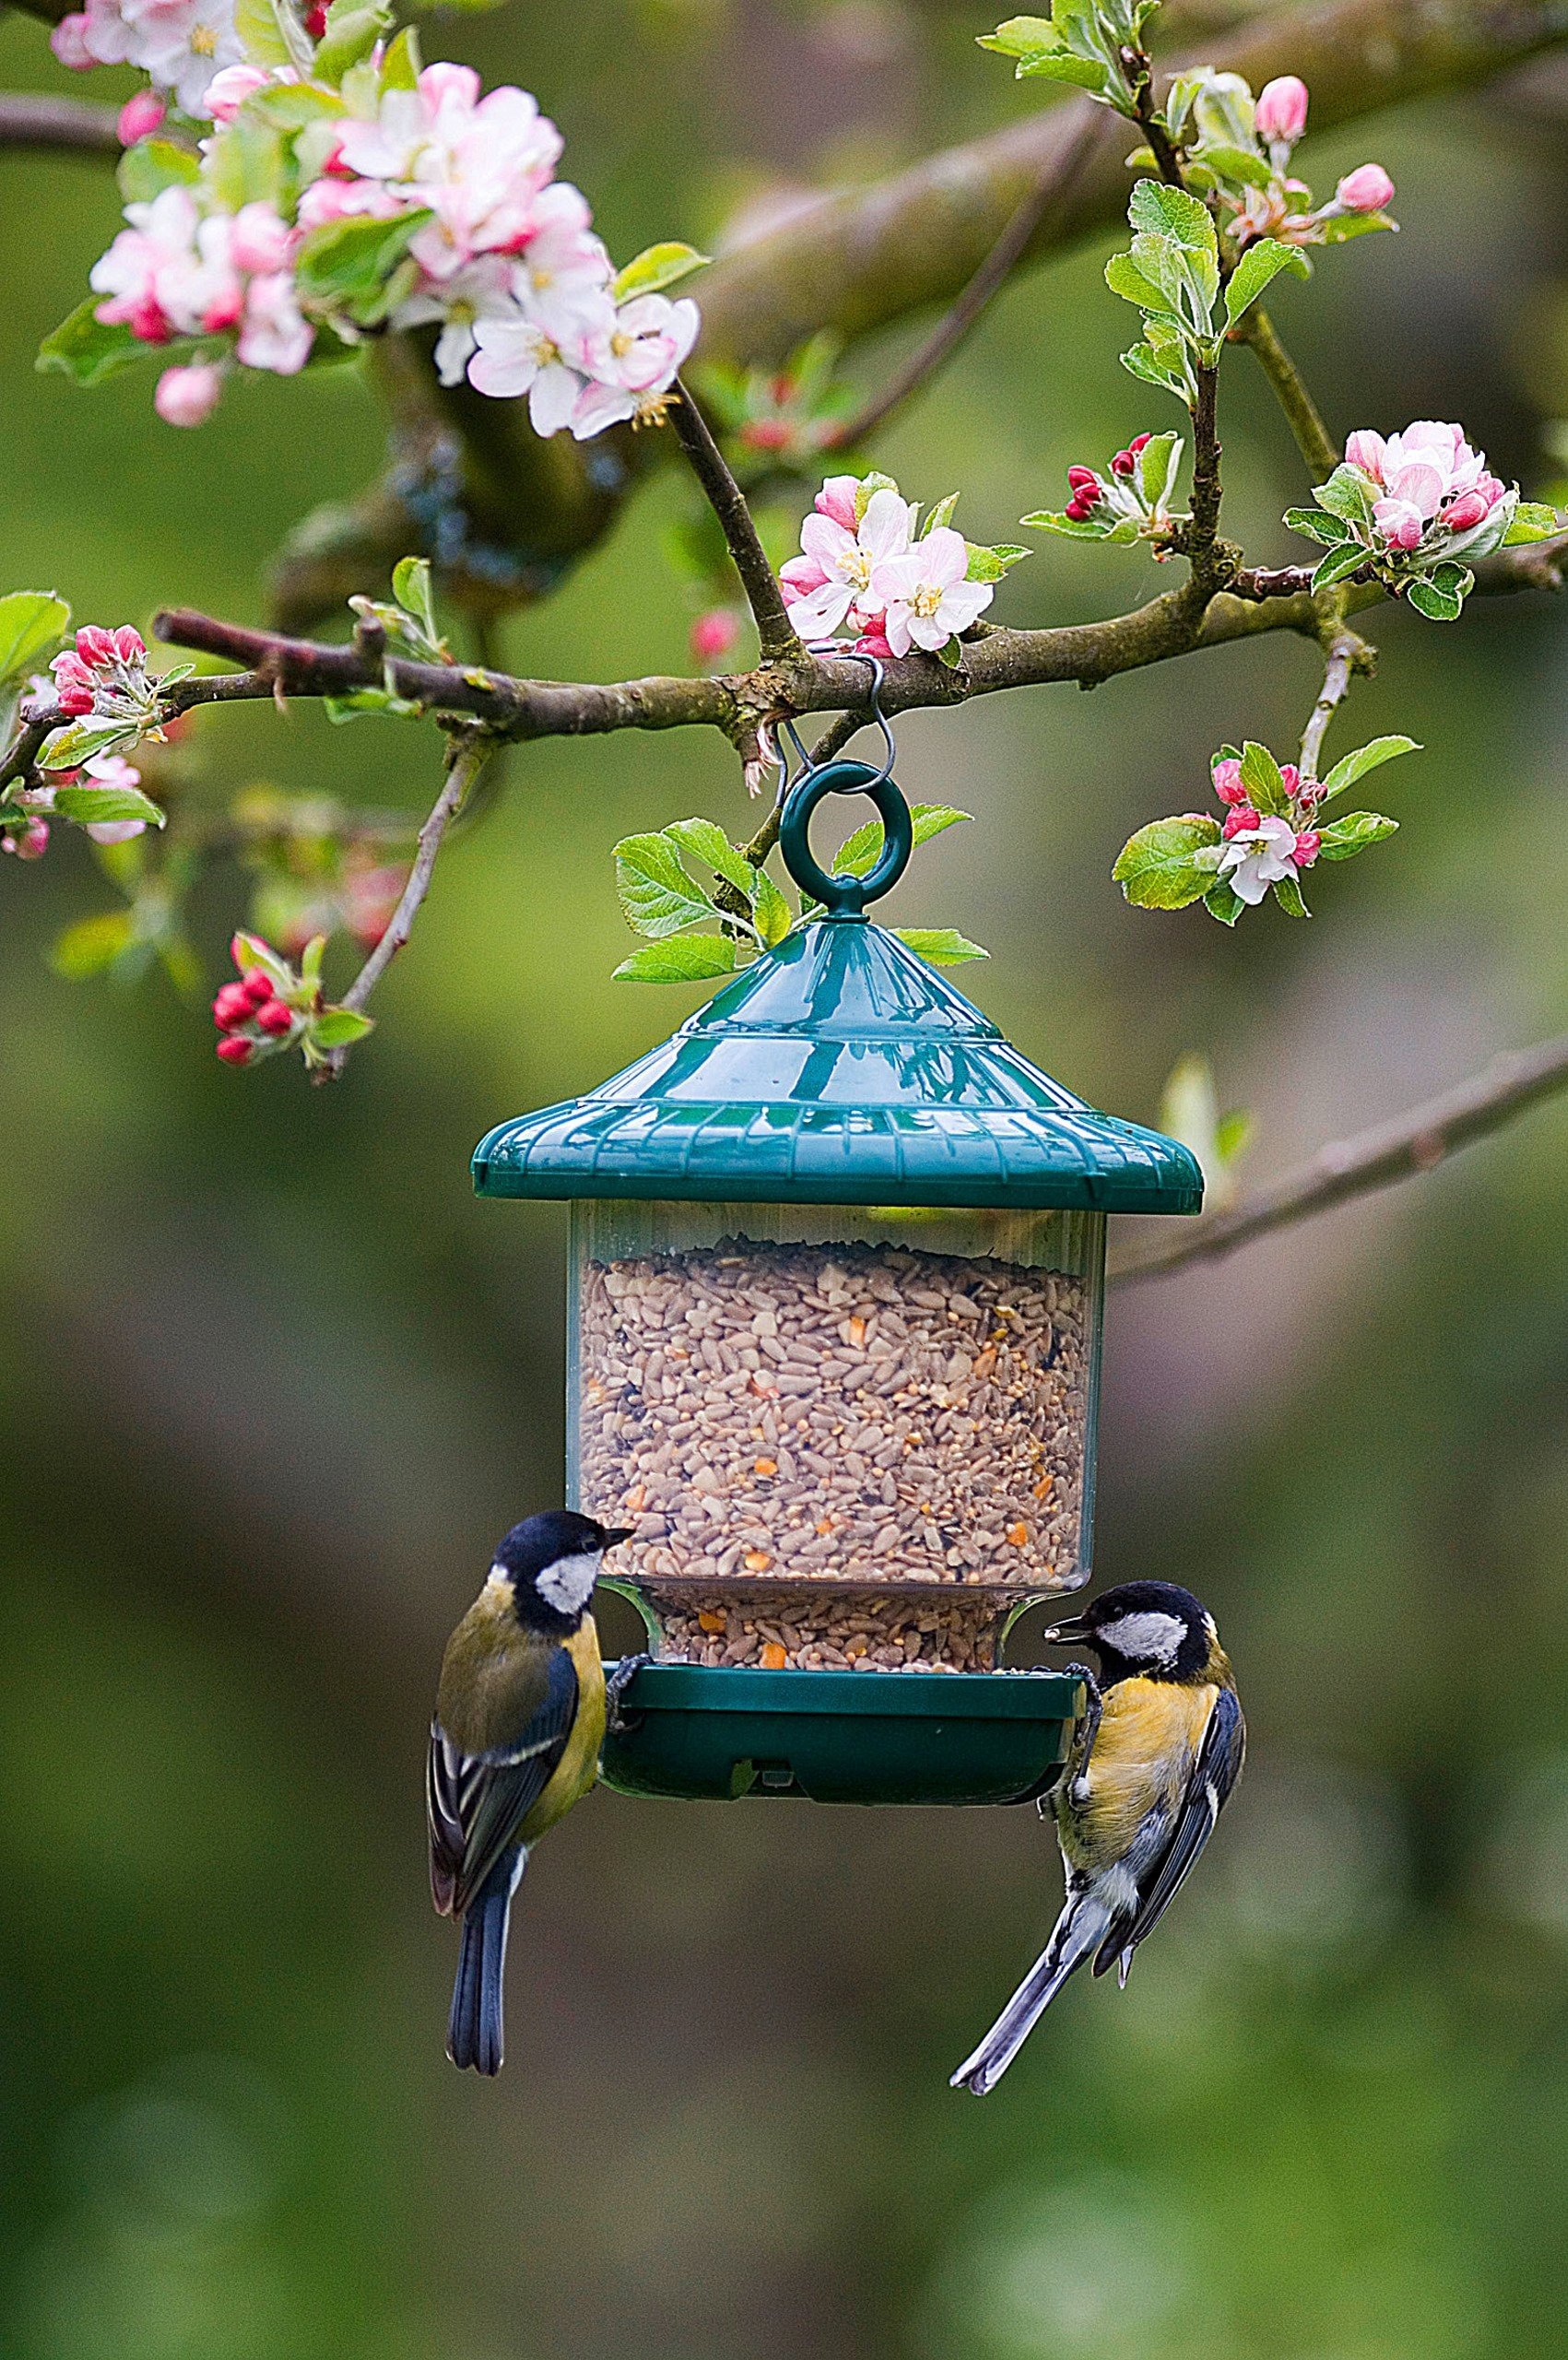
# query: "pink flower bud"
1238,822
315,23
1084,480
713,635
1307,844
1365,450
1136,446
836,500
227,92
257,986
767,434
874,642
1228,781
235,1052
1493,487
1467,510
129,645
75,701
139,118
95,645
1290,776
115,832
274,1018
1080,508
1366,189
147,323
186,397
1123,464
69,41
1282,109
30,843
231,1006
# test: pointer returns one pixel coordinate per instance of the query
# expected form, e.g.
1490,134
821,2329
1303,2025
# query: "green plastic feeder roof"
840,1068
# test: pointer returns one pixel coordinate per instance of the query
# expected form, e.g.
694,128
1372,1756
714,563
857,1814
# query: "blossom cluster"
1129,501
179,44
1242,148
1432,492
864,569
1265,848
409,199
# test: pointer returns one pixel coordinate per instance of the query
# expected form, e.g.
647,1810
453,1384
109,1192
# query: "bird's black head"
552,1562
1147,1630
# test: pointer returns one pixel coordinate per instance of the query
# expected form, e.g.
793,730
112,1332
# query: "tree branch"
962,317
1344,649
1312,438
1411,1144
28,120
774,630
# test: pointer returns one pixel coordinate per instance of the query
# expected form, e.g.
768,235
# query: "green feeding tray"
703,1734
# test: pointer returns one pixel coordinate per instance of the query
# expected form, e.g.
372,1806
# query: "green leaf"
1174,213
1243,165
1350,767
1347,493
1259,267
1288,893
1072,528
685,958
411,588
250,950
335,1028
1436,602
1061,66
69,748
942,513
1313,525
85,348
1157,465
1223,901
364,703
271,34
771,913
291,106
400,67
1533,521
1021,37
245,163
1157,868
656,894
153,165
1124,278
90,946
310,960
1260,776
705,841
350,262
1342,838
32,623
1347,558
858,852
83,804
942,945
992,564
351,35
1233,1134
656,269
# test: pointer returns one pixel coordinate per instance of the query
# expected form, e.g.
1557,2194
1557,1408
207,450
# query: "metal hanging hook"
787,730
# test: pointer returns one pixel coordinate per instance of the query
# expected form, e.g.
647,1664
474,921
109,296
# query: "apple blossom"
186,397
27,843
180,45
832,580
1431,493
139,118
478,163
633,362
1366,189
1260,857
226,91
276,334
481,289
537,351
1282,112
925,598
111,770
715,635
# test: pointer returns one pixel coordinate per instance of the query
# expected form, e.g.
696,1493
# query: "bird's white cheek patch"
1145,1638
569,1584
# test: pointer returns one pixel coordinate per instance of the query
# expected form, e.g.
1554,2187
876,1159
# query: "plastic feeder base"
697,1732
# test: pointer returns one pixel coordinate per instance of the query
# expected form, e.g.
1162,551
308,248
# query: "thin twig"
1312,438
1399,1149
466,756
959,322
764,597
27,121
1343,650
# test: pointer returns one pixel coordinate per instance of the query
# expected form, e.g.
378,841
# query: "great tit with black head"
519,1722
1152,1764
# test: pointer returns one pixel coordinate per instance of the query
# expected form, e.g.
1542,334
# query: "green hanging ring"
846,896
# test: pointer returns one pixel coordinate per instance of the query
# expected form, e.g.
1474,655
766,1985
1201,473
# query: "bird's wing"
1214,1772
477,1802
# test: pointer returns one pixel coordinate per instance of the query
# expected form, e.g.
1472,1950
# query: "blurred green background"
273,1383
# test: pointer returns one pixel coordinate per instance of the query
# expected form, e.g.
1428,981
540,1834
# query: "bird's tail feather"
1079,1927
475,2030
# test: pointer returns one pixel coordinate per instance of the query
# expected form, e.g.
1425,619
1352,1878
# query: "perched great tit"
1152,1764
519,1722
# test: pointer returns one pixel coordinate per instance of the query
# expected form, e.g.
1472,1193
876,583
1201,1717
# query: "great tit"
1152,1764
519,1722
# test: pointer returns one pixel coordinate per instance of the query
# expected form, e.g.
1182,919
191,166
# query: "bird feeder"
833,1348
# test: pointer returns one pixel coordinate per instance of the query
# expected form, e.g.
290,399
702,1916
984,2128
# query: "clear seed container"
842,1434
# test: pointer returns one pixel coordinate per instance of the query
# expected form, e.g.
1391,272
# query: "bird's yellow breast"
1141,1758
579,1766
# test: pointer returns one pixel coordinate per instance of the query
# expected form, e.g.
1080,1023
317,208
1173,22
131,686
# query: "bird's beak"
615,1533
1067,1635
